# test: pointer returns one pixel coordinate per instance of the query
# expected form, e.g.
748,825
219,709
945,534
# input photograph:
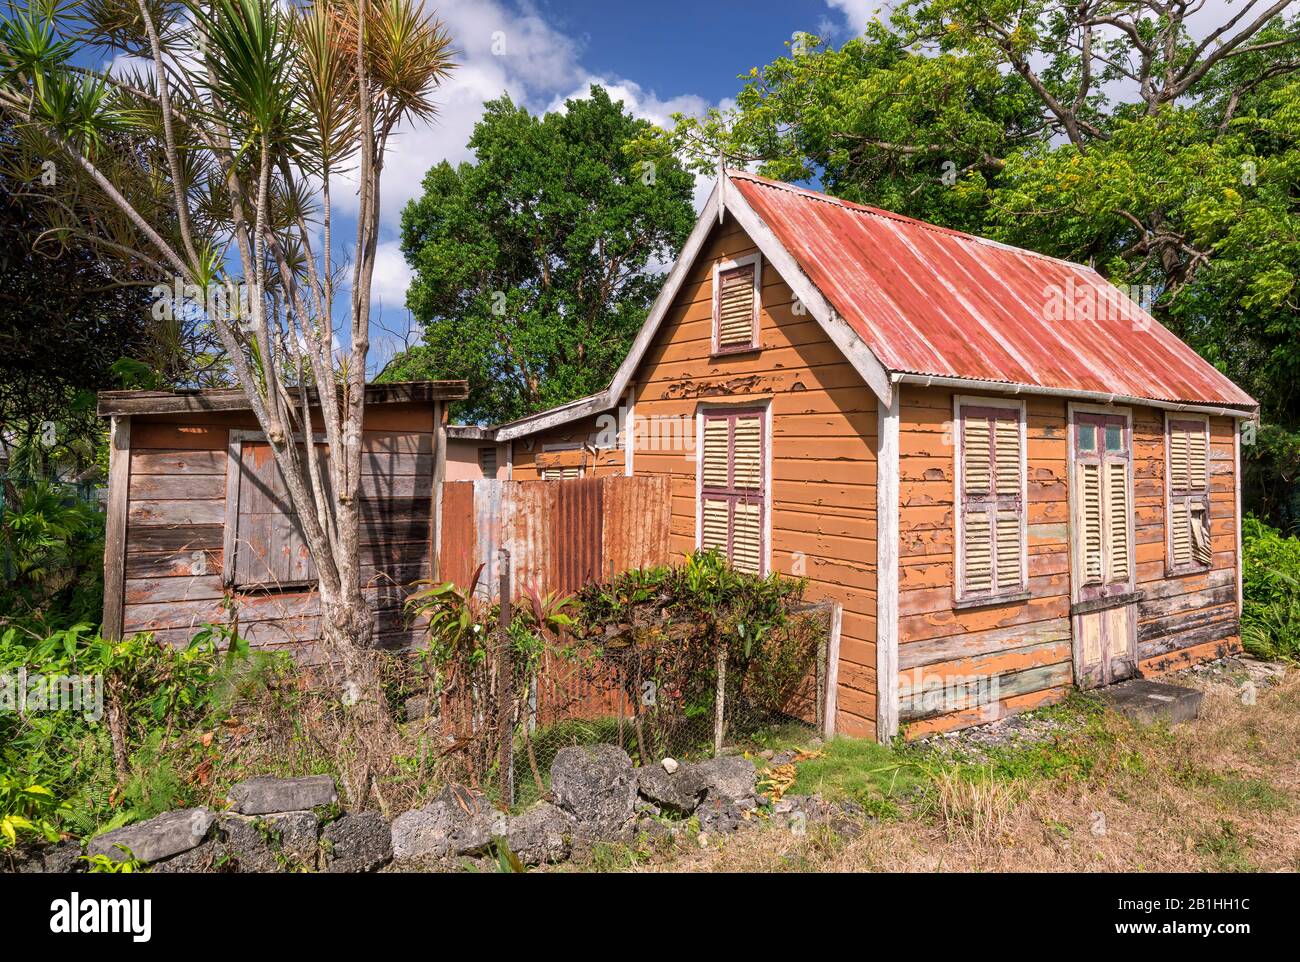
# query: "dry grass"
1220,794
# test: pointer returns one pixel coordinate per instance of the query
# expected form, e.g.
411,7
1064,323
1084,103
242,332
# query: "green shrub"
116,755
1270,618
51,560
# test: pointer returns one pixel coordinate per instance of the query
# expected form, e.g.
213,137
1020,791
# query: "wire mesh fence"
657,684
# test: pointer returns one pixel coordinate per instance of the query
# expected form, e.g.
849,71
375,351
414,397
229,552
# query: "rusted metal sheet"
561,534
927,300
635,533
456,557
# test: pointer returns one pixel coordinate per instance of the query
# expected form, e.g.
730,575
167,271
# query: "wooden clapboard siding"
823,426
1024,644
961,666
176,515
531,457
1189,617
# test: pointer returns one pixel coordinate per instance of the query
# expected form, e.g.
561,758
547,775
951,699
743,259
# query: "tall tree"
532,266
65,321
215,167
1103,131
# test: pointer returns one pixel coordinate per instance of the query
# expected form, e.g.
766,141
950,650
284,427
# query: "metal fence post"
505,685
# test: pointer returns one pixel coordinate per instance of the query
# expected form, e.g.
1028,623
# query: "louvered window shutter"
561,473
1117,517
992,501
1103,506
1090,485
736,308
1188,504
733,488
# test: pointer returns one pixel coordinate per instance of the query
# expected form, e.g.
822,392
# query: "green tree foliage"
65,319
1103,132
531,265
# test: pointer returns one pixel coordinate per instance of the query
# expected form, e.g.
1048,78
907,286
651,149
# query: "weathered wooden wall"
1184,619
177,514
530,456
1025,644
824,426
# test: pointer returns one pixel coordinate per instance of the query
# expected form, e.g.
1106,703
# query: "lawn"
1088,792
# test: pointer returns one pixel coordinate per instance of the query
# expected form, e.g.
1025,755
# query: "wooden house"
199,528
1009,475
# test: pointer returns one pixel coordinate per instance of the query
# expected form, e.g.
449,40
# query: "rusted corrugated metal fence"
560,534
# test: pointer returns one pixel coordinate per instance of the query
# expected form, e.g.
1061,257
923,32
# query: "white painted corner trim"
887,478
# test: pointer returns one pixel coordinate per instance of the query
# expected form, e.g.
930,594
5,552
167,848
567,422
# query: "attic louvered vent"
562,474
1187,508
992,526
735,305
733,488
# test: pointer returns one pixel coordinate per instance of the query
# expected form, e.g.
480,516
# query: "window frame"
719,268
961,597
764,411
496,460
1106,590
1187,496
230,529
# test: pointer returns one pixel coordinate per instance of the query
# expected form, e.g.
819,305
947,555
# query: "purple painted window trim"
1101,457
731,494
1189,496
991,503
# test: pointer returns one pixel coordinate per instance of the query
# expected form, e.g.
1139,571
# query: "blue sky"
657,57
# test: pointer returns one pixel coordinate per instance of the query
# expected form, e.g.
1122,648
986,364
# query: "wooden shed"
199,527
1011,478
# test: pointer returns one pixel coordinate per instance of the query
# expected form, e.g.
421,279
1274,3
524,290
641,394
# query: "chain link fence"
657,685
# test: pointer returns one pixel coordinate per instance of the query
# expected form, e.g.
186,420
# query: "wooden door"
1104,611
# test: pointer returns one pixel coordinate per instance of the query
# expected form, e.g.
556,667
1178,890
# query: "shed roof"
933,301
233,399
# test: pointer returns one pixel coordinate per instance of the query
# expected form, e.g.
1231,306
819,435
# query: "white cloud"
391,278
498,51
856,14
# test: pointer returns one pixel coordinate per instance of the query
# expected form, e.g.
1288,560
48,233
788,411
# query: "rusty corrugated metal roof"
928,300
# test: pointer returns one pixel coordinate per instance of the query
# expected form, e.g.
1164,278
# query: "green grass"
876,776
880,777
1226,847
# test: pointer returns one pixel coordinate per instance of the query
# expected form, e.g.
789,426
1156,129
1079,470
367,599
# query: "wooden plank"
920,653
173,538
183,563
176,487
177,512
115,525
234,399
143,591
177,461
923,705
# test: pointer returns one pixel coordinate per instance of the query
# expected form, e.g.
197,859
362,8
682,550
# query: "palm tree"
212,166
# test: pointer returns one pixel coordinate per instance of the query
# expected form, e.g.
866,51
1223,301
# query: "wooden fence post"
720,700
505,685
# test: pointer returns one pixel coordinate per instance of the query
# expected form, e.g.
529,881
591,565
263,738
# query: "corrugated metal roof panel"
928,300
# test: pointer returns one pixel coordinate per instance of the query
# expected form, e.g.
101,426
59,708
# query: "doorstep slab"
1148,702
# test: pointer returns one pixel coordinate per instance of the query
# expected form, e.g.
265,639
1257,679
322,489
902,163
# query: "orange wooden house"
1009,475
